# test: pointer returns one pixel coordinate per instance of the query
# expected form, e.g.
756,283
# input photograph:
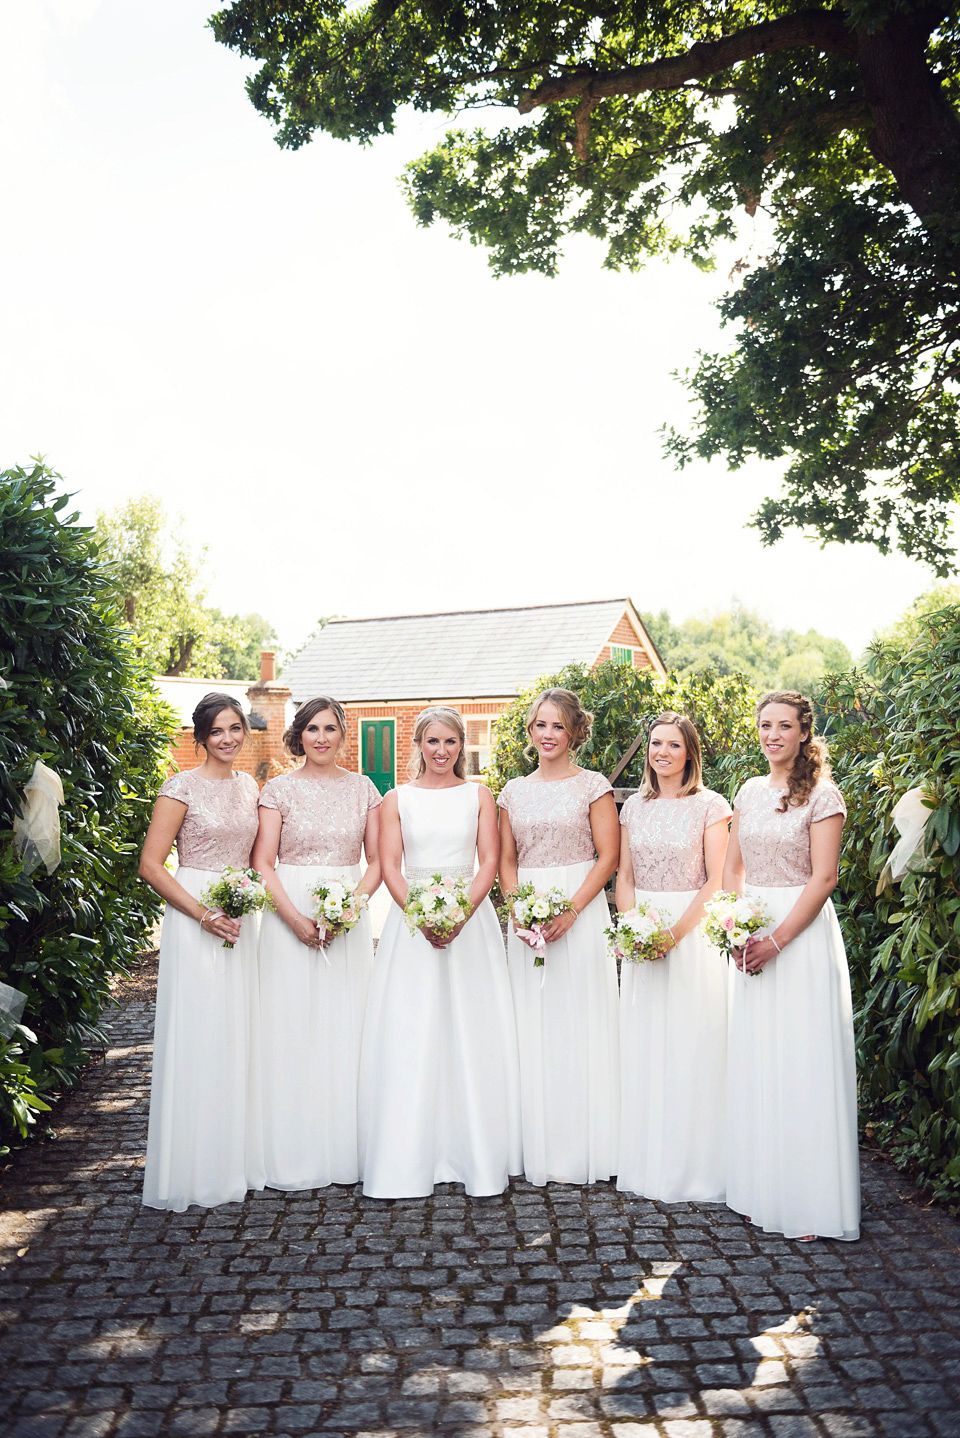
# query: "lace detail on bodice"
323,819
220,824
666,838
551,822
776,847
439,828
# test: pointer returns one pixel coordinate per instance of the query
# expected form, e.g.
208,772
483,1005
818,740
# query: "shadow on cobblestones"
542,1313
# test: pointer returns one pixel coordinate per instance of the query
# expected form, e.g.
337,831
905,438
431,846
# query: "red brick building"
384,671
266,703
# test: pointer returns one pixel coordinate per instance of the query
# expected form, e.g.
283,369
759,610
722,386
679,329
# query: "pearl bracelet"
775,944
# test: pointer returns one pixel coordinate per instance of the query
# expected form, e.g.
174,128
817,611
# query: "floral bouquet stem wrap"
439,905
730,919
235,893
532,911
338,906
640,934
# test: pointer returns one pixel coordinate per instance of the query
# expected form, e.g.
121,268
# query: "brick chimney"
268,704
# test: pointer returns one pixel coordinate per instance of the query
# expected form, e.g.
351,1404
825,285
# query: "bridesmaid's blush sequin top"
551,822
220,824
323,819
666,839
776,847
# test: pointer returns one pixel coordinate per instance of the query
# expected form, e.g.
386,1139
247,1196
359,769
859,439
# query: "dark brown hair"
206,712
309,709
692,769
576,720
811,764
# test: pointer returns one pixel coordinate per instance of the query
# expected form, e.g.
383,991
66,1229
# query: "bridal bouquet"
438,906
338,906
235,893
532,910
730,919
639,934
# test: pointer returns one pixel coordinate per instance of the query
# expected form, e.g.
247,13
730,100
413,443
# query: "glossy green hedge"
894,727
75,698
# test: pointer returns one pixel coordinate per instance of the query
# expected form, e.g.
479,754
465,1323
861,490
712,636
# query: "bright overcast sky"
354,415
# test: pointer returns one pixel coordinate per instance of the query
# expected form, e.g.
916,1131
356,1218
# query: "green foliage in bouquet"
623,701
73,696
895,727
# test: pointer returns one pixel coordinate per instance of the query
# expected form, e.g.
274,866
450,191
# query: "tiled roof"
469,654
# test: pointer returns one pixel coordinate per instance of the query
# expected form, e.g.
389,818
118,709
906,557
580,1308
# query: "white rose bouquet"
438,906
640,934
235,893
532,911
730,919
337,906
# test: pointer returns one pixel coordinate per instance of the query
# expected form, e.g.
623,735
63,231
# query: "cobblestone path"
557,1313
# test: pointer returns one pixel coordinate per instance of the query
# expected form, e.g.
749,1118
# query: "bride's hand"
440,941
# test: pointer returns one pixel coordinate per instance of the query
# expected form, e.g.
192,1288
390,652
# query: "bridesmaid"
792,1081
313,990
673,1011
558,829
204,1143
439,1090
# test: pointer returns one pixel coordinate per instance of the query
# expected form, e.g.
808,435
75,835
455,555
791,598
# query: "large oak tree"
648,126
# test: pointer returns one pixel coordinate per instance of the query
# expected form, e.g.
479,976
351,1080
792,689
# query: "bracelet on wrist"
203,916
775,944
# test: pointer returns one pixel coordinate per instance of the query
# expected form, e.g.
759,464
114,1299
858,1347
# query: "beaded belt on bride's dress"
417,874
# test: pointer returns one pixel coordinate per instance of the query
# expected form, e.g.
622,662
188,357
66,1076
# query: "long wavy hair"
693,767
451,719
811,764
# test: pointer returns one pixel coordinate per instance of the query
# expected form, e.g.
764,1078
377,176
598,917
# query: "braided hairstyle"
811,764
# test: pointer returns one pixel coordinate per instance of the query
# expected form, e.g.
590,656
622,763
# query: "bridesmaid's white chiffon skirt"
439,1092
567,1028
673,1065
204,1143
792,1084
312,1007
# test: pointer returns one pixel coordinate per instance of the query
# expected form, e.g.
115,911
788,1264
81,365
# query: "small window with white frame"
621,654
479,743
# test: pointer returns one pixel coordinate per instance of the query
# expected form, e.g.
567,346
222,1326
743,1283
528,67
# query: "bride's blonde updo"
576,720
450,719
811,764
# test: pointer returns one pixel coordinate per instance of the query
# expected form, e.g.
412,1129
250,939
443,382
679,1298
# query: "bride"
439,1087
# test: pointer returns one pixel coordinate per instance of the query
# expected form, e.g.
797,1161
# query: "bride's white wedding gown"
439,1087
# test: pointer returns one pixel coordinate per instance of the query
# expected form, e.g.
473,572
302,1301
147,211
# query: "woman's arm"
605,828
168,815
509,869
265,849
825,836
714,851
372,875
733,863
391,849
626,887
488,848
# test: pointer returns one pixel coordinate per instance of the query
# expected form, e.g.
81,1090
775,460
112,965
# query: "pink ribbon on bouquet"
534,937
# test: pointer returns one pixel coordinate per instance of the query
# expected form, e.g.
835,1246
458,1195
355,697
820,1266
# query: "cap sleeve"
628,807
503,798
738,797
597,785
715,808
371,793
825,801
176,787
269,798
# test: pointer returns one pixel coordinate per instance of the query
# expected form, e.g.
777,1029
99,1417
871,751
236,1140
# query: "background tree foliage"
622,701
158,584
75,696
741,641
648,126
914,621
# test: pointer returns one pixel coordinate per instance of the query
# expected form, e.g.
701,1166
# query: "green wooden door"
376,751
